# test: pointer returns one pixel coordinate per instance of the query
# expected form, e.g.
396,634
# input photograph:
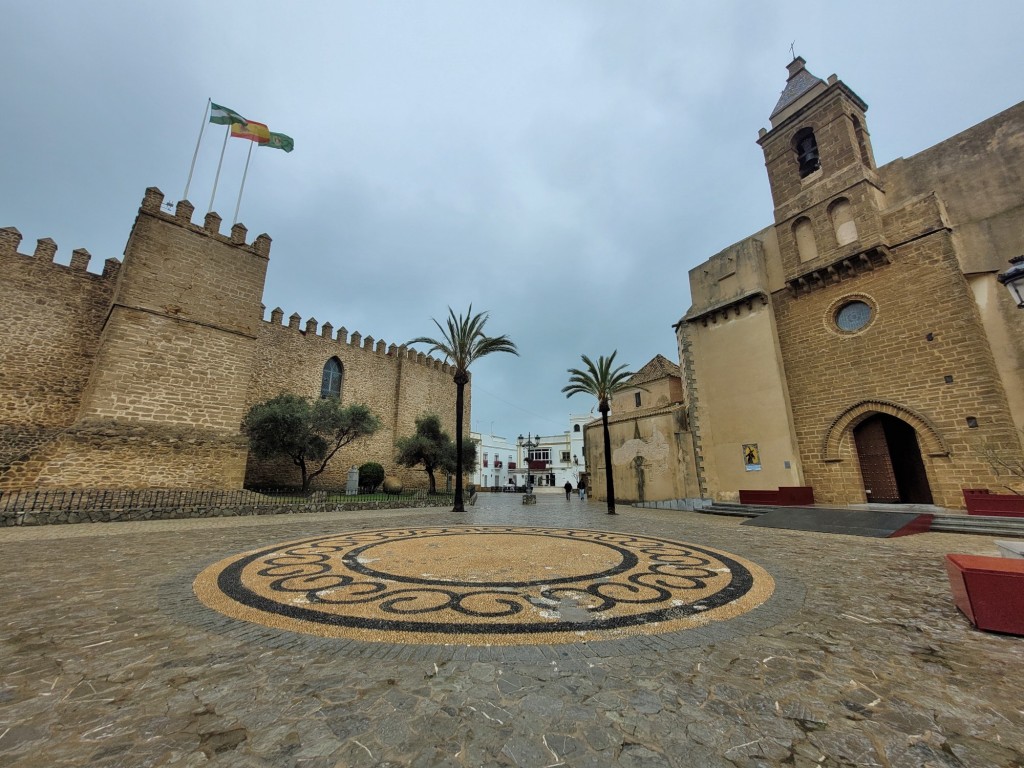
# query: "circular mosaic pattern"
484,585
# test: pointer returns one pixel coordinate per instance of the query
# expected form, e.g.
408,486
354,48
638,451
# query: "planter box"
785,496
989,591
980,502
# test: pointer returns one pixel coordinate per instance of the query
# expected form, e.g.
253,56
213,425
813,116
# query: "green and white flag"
224,115
280,141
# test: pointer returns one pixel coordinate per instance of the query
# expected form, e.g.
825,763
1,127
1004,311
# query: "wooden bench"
989,591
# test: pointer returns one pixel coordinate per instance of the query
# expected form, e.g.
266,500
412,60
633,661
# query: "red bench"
989,591
785,496
980,502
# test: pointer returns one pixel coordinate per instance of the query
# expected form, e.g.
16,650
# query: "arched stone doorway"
890,461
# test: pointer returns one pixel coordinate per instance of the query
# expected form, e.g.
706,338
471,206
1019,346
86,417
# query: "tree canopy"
310,433
434,449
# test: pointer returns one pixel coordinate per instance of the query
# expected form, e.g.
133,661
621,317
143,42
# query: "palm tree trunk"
460,388
609,478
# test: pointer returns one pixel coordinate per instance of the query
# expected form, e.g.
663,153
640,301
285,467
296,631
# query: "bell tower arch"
819,159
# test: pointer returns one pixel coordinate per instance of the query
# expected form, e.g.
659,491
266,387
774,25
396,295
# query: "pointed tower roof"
800,82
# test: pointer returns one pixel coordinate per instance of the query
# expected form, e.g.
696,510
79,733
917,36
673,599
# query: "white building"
496,460
555,459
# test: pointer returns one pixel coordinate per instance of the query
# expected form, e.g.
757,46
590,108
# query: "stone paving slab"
860,658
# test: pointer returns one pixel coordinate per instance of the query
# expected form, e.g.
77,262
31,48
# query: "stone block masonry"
399,384
52,319
140,377
902,357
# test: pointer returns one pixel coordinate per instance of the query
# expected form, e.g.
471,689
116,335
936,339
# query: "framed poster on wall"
751,457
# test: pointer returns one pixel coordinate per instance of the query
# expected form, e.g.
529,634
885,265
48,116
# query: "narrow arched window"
862,142
841,213
575,427
806,246
330,384
806,148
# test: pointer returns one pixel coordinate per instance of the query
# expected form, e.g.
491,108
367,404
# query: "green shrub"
371,474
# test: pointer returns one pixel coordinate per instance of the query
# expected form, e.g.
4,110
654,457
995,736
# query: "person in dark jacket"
568,489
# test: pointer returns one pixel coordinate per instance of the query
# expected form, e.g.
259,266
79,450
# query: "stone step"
730,509
979,524
976,524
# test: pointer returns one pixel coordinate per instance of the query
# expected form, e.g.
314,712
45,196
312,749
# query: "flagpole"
219,163
202,127
244,174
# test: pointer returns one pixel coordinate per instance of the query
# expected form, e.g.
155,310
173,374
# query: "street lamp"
1013,279
528,444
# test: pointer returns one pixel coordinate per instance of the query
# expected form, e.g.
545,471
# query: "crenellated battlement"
46,252
353,340
172,340
153,204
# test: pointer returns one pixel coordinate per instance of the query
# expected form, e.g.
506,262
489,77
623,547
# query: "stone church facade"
861,343
652,447
139,377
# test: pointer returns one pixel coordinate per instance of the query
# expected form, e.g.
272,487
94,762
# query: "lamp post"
1013,279
528,444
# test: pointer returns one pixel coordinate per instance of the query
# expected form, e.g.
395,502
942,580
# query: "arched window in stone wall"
575,427
330,383
806,148
841,214
803,231
862,142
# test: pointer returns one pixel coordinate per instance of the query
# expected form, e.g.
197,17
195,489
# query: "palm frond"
599,379
464,340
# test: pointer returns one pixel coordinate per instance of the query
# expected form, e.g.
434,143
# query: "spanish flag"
257,132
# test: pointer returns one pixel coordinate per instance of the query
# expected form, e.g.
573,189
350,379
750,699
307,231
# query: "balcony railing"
511,465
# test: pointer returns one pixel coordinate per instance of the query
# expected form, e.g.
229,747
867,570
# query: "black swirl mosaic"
483,584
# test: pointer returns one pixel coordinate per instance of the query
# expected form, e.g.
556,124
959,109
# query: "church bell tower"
824,183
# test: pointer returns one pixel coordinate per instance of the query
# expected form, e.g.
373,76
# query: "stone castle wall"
140,377
52,319
397,383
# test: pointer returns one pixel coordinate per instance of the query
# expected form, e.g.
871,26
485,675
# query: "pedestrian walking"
583,489
568,489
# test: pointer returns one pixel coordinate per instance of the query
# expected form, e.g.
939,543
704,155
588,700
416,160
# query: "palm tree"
462,343
602,381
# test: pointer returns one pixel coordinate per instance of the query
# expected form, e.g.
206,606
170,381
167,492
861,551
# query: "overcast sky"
561,165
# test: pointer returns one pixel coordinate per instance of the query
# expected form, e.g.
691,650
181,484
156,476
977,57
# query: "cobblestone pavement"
859,658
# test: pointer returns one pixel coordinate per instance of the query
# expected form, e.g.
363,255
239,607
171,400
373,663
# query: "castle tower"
166,397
